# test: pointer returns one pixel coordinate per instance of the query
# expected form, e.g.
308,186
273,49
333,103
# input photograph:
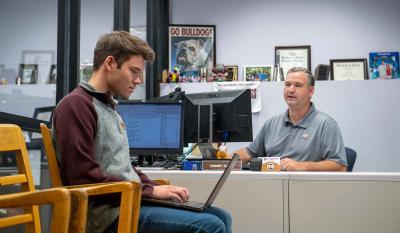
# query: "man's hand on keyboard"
171,192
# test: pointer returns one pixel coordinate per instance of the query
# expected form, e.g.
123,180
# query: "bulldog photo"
193,54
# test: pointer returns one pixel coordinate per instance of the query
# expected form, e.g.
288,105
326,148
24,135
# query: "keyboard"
188,205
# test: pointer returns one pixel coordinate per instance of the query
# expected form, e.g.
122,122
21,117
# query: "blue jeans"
154,219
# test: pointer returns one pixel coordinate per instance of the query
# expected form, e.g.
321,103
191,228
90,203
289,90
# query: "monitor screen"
153,128
230,115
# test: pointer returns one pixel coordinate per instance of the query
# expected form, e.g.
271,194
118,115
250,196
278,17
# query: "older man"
305,138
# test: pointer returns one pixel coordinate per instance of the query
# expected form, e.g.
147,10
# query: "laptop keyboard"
195,204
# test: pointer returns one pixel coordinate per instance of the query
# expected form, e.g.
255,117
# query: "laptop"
194,205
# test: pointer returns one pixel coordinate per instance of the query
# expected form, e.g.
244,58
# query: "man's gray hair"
310,76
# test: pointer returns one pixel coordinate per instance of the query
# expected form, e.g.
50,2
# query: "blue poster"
384,65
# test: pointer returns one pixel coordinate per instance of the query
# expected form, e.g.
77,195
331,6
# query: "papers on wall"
253,86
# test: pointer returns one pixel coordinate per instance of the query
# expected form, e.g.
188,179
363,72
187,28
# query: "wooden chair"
12,140
58,197
130,192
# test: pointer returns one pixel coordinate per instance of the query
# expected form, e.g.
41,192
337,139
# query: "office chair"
59,198
351,156
130,192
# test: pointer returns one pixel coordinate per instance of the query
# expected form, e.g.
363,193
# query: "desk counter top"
237,175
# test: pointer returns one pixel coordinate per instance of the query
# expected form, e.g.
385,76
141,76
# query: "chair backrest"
12,140
55,176
59,198
351,156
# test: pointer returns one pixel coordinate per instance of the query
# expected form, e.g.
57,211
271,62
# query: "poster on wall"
191,47
384,65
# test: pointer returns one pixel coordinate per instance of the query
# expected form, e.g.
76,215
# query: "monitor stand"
207,150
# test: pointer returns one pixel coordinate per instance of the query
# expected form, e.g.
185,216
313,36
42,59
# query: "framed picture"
191,47
232,73
293,56
43,58
28,73
258,72
384,65
52,75
349,69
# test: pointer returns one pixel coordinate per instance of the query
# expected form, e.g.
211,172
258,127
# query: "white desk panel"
344,202
257,201
299,202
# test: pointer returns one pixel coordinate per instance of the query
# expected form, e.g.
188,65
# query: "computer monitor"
153,128
218,117
44,114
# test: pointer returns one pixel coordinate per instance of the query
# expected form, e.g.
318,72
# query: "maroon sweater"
75,122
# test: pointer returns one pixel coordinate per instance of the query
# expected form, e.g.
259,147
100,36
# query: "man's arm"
244,156
325,165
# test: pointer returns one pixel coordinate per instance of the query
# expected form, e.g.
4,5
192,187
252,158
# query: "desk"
344,202
299,202
257,201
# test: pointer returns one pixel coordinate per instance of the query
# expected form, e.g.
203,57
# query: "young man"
305,138
93,148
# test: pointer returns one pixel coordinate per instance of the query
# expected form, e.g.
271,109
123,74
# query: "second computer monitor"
153,128
226,114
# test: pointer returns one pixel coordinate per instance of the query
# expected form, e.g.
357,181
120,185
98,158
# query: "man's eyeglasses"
137,74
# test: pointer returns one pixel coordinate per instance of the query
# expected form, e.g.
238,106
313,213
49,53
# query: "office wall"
247,32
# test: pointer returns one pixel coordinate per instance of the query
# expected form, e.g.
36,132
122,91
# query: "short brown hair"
310,76
121,45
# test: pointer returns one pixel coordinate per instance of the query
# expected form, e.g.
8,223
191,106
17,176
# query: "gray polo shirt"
314,138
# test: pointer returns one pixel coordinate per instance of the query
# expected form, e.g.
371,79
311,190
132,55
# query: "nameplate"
220,165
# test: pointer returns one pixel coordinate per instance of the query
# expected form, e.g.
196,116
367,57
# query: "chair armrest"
130,203
58,197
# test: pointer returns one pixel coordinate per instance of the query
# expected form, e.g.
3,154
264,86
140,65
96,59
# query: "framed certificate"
293,56
349,69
